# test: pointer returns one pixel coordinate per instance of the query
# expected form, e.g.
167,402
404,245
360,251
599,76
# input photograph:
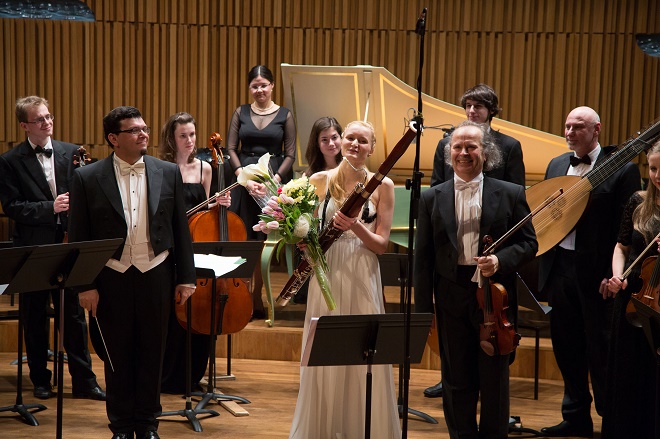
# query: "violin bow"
491,248
639,258
217,195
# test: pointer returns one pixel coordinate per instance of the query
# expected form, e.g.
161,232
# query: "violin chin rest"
487,347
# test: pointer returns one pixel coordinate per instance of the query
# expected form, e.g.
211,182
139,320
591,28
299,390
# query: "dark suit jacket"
436,246
512,169
597,230
96,211
26,196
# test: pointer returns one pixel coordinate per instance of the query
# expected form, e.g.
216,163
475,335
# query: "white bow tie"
461,185
125,168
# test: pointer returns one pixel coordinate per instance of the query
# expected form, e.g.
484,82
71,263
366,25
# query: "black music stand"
365,340
528,300
188,412
62,266
11,261
251,252
650,319
394,272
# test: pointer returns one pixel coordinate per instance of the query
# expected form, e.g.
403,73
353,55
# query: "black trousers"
34,306
468,374
133,312
579,325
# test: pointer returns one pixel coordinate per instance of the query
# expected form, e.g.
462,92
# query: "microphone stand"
413,185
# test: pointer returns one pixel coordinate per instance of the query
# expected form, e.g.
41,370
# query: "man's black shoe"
43,392
95,393
122,436
434,391
151,434
567,429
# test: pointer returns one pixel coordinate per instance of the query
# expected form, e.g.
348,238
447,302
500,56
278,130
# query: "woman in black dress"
258,128
178,145
629,412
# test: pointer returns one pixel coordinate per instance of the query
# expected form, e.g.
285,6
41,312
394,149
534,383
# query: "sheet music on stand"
220,265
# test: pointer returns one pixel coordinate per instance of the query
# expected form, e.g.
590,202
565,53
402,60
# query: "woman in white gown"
331,401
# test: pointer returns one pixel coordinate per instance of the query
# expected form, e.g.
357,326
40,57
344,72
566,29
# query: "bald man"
571,274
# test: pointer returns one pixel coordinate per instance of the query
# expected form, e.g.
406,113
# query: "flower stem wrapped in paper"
291,213
260,173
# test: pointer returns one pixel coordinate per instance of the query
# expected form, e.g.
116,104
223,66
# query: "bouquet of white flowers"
291,213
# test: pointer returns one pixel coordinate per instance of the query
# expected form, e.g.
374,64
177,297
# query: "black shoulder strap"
325,207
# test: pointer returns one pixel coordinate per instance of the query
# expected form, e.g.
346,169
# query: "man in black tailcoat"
572,274
453,219
139,198
481,105
34,190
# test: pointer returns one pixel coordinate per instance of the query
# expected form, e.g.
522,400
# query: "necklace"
256,108
363,169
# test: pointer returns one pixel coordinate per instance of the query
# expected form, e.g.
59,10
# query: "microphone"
448,131
421,23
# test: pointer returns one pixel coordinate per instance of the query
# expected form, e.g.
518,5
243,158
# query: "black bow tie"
40,150
577,160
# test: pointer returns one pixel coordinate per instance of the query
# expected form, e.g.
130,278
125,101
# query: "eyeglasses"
135,131
260,87
42,120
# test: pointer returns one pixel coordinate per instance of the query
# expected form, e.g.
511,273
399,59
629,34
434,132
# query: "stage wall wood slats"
543,57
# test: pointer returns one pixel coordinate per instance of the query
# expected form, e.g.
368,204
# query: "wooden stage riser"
284,344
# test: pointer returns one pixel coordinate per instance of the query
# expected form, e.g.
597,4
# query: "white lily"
256,172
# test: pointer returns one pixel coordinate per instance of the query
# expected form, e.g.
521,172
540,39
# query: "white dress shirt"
132,182
48,165
568,243
468,216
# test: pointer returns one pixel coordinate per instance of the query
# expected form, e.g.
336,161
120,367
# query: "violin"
82,158
497,335
650,275
217,224
649,292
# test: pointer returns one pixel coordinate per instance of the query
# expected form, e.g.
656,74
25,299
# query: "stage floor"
272,388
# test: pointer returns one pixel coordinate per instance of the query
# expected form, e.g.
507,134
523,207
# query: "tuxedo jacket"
96,211
25,195
512,169
597,229
436,245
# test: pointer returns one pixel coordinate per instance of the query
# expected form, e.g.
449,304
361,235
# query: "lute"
553,223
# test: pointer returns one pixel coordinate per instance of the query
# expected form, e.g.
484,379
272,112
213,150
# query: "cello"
217,224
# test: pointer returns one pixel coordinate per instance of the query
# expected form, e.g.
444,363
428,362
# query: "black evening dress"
276,135
174,360
629,412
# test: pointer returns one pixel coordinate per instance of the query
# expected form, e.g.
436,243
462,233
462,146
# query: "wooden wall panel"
543,57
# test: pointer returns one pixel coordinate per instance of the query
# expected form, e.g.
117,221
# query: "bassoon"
350,208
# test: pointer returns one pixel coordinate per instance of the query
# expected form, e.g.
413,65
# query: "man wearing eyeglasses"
139,198
34,193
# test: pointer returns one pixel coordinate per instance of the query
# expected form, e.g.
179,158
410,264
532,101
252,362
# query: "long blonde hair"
646,217
336,182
